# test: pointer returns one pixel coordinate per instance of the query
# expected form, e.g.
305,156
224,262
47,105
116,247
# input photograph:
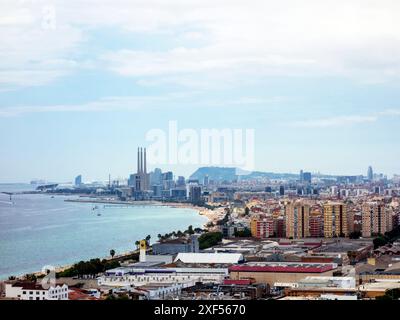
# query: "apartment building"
335,220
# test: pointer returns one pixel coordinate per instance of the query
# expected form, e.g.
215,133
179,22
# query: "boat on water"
99,214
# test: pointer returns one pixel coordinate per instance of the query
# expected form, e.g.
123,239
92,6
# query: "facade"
280,227
195,194
162,276
370,174
316,224
262,227
177,245
307,177
297,220
33,291
376,219
78,181
209,258
273,272
335,220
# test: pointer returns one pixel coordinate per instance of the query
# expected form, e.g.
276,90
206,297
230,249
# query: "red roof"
77,294
291,269
243,282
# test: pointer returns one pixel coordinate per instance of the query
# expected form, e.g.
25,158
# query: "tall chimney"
141,160
138,161
145,169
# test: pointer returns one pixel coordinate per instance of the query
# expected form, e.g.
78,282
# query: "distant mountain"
231,174
215,173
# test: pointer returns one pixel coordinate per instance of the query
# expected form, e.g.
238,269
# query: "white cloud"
132,103
233,39
104,104
334,121
356,39
342,121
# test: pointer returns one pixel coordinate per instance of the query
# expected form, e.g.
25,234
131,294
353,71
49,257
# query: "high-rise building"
78,181
297,220
195,194
350,220
262,227
168,180
376,219
181,182
316,222
335,220
281,190
301,176
370,174
156,177
307,177
206,180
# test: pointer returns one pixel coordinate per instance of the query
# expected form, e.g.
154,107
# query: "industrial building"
272,272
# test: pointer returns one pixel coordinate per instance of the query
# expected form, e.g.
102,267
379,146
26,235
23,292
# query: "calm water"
37,230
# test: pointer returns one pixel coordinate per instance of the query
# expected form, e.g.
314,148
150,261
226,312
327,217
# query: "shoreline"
211,216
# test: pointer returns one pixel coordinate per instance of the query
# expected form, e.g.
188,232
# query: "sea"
38,230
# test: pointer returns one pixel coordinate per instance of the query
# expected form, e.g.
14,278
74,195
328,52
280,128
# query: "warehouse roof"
285,267
209,257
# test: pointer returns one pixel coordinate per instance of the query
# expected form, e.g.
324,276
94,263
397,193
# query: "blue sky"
81,84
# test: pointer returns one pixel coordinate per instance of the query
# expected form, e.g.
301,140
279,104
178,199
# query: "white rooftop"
209,257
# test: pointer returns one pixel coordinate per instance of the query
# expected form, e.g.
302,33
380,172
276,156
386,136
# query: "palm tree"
137,244
148,239
112,253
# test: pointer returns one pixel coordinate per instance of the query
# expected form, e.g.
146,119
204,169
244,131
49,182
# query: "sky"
82,82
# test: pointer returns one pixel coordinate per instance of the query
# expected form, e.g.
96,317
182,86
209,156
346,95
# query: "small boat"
99,214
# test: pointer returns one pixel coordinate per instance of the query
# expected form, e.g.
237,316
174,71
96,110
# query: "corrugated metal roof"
282,268
209,257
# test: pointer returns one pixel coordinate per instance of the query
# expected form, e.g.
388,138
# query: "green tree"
30,277
390,294
379,242
246,233
112,253
209,239
190,230
148,240
137,244
246,211
355,235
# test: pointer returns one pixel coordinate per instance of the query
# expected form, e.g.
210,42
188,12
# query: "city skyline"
176,176
80,89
